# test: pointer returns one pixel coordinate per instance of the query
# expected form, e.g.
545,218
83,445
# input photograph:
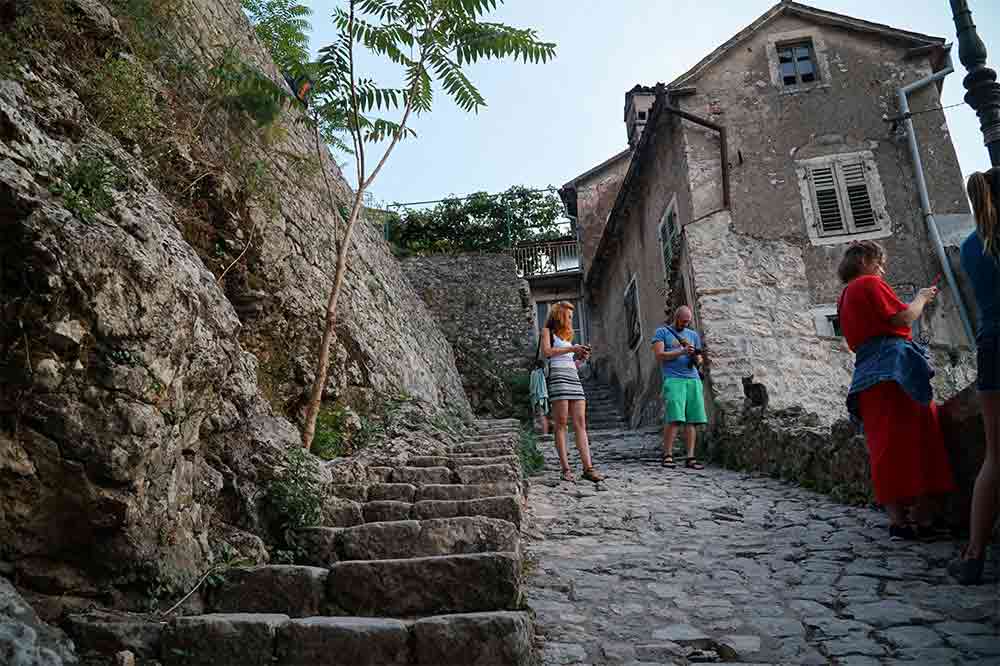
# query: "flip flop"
668,461
692,463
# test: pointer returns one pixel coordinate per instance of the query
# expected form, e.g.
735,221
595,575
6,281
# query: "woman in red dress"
891,392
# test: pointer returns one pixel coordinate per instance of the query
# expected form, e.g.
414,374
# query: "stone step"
428,461
325,546
506,507
455,491
476,474
385,511
295,591
478,449
421,475
486,424
491,452
491,499
503,459
501,637
425,585
464,459
399,492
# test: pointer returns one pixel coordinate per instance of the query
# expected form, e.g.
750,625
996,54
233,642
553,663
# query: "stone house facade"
749,176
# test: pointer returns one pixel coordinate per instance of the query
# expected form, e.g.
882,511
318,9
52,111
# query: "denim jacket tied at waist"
890,359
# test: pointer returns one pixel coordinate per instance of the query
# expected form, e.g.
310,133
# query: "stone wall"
796,446
485,311
145,402
793,445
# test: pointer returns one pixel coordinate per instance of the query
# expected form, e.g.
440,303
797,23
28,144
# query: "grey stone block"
295,591
344,641
375,512
426,585
211,640
484,639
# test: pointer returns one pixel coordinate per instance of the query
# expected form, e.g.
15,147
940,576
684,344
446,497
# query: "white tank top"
562,360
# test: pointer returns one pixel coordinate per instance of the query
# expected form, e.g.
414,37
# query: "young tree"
430,41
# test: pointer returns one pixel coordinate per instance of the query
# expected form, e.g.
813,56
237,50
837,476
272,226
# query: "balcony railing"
546,257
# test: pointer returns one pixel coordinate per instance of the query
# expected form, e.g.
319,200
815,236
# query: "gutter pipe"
925,203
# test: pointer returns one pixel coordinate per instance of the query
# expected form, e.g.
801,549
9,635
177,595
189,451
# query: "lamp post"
983,91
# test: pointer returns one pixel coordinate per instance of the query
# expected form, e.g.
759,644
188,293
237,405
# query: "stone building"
745,180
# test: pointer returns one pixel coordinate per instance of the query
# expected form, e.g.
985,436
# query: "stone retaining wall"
796,446
485,311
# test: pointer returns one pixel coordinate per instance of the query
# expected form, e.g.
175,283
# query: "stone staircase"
423,566
602,407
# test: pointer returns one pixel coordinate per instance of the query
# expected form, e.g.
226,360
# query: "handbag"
701,375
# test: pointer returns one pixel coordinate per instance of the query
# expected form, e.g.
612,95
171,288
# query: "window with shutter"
842,198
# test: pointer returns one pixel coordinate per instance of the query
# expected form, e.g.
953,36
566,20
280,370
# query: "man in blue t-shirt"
678,348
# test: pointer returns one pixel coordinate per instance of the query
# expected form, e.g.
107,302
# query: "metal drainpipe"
925,203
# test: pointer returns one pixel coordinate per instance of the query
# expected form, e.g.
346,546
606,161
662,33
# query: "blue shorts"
988,363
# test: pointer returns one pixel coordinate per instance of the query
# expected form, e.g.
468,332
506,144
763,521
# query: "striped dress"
563,380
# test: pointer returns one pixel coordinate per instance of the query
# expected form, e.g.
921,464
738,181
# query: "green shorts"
685,401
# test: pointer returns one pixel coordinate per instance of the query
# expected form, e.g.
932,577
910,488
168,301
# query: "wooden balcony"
547,258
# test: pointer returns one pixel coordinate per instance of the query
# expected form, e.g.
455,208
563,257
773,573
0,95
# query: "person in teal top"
678,349
981,262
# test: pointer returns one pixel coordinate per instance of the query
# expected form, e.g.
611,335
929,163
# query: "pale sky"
545,124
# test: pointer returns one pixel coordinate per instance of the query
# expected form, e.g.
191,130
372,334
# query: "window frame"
880,227
806,43
633,286
823,316
819,57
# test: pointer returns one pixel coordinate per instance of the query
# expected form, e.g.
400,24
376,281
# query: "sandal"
692,463
668,461
592,475
567,476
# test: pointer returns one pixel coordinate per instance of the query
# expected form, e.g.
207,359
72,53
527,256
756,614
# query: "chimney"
638,103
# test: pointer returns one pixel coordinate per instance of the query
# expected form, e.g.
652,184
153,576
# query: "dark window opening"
835,325
632,314
797,63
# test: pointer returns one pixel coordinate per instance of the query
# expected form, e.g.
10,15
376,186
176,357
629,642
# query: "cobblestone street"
661,566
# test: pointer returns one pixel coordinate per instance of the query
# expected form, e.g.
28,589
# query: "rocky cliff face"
146,394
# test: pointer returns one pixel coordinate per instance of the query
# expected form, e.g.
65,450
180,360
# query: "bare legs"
984,497
562,411
670,432
560,417
578,409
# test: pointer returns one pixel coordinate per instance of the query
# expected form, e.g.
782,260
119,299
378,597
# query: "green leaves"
479,223
431,41
283,26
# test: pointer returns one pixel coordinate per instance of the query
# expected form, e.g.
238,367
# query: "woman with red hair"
565,390
891,392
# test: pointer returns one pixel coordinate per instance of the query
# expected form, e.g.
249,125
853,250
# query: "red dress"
905,443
